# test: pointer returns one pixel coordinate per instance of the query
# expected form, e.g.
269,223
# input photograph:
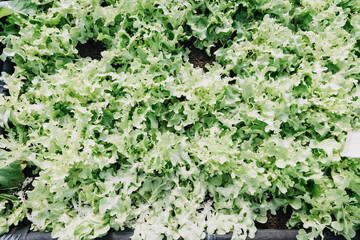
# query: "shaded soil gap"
91,48
199,58
30,172
277,221
104,4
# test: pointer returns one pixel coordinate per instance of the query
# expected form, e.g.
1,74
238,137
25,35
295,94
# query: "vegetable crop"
141,138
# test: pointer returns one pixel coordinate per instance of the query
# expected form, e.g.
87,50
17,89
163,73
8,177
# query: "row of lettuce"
141,139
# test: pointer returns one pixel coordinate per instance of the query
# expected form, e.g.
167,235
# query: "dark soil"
231,82
3,22
199,58
30,172
91,49
104,4
277,221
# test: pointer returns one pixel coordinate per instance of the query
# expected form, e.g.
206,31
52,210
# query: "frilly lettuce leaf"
23,7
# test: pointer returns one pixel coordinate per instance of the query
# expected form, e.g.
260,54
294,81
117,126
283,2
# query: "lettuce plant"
142,139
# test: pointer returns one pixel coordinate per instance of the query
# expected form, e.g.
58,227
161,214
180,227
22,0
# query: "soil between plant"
91,49
277,221
199,58
30,172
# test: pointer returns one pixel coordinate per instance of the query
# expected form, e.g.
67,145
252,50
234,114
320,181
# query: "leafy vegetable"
11,176
9,7
142,139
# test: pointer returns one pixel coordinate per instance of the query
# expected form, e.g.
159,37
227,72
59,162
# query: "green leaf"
5,12
11,176
337,226
8,197
19,6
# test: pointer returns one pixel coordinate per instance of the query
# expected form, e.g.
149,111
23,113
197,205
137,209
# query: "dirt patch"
2,22
277,221
91,49
231,82
199,58
30,173
104,4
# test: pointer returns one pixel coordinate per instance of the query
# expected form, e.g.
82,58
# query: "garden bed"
198,120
